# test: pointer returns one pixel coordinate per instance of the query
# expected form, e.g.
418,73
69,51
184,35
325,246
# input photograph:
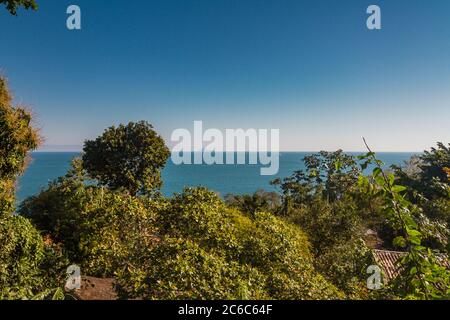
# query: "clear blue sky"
310,68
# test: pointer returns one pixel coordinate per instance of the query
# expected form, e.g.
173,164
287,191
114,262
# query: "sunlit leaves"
127,157
423,276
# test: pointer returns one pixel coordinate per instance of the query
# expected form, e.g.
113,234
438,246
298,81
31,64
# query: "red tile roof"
387,261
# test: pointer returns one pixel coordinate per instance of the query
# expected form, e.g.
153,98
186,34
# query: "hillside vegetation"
306,241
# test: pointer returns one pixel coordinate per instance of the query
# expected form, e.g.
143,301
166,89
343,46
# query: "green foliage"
252,203
96,226
423,276
328,224
181,269
128,157
24,256
111,229
7,197
434,163
426,175
428,187
270,243
208,251
281,251
54,210
328,174
21,253
17,138
201,216
322,200
13,5
28,265
345,265
335,231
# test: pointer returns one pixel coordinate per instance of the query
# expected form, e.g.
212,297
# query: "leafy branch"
422,272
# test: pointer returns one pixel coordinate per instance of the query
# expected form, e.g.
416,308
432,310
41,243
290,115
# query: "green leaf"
391,179
413,233
398,188
399,242
376,172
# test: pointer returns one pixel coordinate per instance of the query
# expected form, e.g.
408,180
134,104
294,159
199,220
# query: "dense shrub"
7,197
28,265
427,185
326,202
97,227
17,138
424,274
281,251
221,253
112,231
24,256
328,224
335,230
345,265
181,269
21,253
268,242
201,216
252,203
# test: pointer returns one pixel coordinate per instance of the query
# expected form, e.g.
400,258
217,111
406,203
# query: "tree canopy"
25,257
128,157
305,242
17,137
13,5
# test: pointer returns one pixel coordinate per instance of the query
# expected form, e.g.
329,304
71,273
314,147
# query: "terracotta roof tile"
388,262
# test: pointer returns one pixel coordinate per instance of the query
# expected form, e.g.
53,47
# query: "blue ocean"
224,179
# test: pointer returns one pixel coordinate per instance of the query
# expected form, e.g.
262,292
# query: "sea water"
224,179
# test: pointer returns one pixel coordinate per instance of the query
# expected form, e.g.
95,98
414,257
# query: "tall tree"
17,138
23,252
127,157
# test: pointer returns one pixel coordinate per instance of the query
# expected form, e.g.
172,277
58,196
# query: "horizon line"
235,151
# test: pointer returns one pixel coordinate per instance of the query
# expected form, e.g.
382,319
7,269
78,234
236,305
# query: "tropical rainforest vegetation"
305,241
